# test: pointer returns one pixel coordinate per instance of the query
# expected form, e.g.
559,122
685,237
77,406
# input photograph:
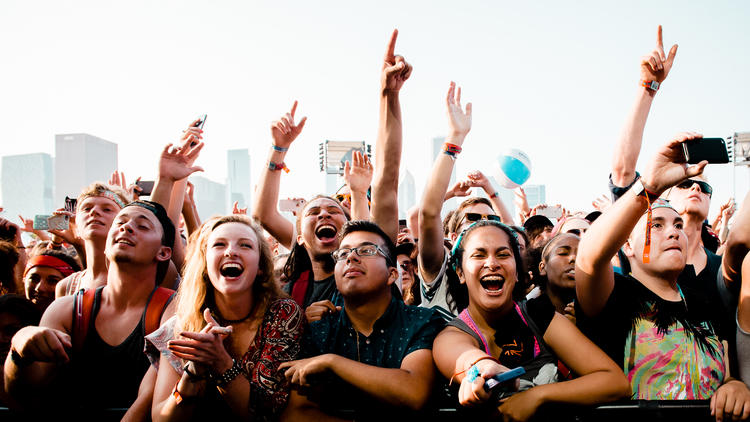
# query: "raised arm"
388,145
358,175
655,66
175,165
478,179
737,246
265,204
594,274
431,249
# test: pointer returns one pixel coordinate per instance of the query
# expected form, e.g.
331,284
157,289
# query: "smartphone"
550,212
290,204
147,186
401,224
714,150
201,121
58,222
199,124
40,222
498,379
71,204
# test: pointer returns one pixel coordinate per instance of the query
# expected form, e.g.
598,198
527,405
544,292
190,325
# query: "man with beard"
64,350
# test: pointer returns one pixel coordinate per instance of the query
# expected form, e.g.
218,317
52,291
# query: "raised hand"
668,166
176,164
727,210
460,189
284,131
236,208
655,66
601,203
358,175
521,202
459,121
71,234
27,225
192,135
395,69
477,179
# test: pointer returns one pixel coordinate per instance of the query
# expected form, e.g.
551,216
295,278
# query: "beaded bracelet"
278,148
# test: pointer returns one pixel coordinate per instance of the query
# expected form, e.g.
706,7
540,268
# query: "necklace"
225,322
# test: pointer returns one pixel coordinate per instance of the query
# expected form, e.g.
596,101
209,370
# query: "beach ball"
513,168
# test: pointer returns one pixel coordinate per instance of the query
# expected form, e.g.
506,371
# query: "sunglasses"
473,216
705,187
341,197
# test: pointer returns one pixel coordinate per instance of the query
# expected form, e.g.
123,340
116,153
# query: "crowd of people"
349,315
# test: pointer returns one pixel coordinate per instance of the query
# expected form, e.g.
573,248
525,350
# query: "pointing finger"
389,52
659,43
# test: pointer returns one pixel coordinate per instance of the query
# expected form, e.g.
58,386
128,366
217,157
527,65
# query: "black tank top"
109,376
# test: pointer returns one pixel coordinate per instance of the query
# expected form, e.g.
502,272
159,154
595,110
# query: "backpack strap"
82,308
157,304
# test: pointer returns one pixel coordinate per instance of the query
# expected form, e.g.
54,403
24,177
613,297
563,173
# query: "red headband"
49,261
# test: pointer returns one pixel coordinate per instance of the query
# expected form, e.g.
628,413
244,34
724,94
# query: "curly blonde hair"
196,292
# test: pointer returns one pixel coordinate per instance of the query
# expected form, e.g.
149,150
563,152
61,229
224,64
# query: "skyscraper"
27,184
407,194
210,197
535,194
81,159
238,177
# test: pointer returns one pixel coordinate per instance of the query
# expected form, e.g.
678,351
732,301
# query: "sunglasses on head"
473,216
705,187
341,197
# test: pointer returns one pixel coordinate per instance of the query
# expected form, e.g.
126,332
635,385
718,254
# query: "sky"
554,79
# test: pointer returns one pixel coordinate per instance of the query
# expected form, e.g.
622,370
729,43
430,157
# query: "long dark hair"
299,260
458,252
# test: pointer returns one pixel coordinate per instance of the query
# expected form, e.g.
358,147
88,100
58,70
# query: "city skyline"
555,80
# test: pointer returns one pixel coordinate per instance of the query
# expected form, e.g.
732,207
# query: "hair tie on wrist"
278,148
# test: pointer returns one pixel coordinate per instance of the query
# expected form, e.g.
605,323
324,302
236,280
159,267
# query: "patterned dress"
277,341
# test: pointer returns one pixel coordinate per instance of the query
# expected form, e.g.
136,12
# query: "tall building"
407,194
437,148
27,184
210,197
238,177
535,194
81,159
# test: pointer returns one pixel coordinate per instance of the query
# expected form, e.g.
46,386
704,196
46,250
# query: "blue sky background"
555,79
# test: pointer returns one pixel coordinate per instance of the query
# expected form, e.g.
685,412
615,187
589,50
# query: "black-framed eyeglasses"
474,216
705,187
361,251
